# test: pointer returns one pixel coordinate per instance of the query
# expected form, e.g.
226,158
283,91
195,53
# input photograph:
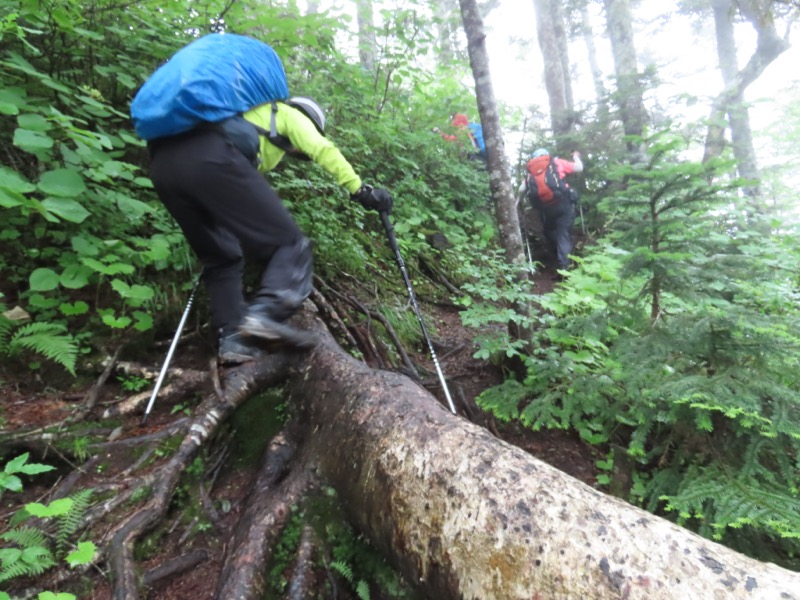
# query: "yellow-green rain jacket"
304,136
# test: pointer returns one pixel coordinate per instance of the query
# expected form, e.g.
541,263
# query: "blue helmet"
540,152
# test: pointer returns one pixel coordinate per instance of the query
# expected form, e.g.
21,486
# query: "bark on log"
470,517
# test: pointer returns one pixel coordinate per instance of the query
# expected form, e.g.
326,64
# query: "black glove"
374,198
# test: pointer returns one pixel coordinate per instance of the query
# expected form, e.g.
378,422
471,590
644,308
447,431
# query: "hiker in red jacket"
555,200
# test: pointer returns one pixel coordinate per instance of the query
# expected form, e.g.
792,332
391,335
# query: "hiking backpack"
215,77
544,184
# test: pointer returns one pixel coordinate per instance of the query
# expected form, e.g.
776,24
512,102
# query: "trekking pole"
524,233
387,225
172,347
583,225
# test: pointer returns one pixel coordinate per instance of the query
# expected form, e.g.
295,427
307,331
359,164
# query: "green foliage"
362,588
19,465
29,555
28,551
676,338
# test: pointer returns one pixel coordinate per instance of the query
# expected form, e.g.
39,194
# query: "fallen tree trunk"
466,515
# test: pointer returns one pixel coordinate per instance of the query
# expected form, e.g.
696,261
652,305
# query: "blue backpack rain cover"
215,77
477,132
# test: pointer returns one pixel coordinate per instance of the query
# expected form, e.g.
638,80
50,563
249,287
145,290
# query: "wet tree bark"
738,115
499,179
468,516
552,39
367,44
630,94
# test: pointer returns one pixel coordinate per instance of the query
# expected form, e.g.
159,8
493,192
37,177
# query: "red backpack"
544,184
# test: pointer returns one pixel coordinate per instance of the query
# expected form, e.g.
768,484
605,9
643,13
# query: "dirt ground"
26,404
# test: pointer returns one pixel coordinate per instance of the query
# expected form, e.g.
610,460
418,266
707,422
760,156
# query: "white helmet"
310,109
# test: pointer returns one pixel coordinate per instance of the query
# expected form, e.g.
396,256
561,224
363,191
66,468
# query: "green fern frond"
25,537
31,558
34,562
48,339
6,326
362,590
343,569
722,501
69,523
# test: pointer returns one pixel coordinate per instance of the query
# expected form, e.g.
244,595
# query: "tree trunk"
552,43
367,47
447,24
738,116
468,516
499,179
629,90
731,101
594,65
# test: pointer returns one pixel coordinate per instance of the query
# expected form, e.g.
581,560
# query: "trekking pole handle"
387,225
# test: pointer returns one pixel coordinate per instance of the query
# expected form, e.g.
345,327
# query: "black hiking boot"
258,323
234,349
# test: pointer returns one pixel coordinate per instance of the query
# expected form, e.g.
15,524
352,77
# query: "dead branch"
184,382
330,314
91,398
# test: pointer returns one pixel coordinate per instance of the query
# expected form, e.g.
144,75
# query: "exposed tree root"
263,520
174,566
212,412
301,582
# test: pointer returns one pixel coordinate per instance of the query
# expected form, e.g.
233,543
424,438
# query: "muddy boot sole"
278,333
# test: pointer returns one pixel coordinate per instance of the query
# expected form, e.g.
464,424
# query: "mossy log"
467,516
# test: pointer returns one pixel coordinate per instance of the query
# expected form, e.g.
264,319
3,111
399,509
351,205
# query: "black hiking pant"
557,221
227,212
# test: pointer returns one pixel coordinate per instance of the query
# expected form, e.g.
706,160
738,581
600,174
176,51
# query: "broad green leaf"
133,208
72,309
83,555
112,269
55,509
34,122
75,276
66,208
144,321
11,180
116,322
43,280
10,482
84,246
142,293
9,556
56,596
62,182
10,199
32,141
34,555
12,100
136,293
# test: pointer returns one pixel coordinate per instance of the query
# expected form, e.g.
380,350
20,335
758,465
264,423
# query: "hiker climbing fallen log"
469,516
